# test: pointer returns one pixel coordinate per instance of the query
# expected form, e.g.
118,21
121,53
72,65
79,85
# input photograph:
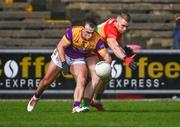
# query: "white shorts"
70,61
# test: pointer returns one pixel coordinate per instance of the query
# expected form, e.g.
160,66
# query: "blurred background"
40,23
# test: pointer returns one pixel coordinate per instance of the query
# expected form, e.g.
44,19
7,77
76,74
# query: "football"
103,69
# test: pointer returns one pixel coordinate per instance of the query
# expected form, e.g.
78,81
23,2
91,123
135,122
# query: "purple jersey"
80,47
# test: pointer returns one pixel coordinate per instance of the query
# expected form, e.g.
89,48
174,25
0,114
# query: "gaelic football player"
69,56
111,31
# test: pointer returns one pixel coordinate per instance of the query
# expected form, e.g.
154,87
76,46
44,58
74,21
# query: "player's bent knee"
82,81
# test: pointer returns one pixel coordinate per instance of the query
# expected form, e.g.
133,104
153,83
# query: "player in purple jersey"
70,57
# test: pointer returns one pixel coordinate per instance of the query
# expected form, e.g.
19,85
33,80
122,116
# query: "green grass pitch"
125,113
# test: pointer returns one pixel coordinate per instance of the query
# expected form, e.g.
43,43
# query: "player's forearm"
61,52
114,46
118,52
61,49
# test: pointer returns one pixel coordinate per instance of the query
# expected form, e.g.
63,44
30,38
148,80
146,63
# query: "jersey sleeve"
100,45
68,35
111,32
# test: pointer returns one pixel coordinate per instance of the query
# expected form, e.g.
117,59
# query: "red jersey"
108,29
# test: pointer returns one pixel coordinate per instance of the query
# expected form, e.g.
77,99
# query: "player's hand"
130,61
128,51
65,68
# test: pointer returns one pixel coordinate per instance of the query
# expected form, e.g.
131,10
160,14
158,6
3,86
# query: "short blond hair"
124,15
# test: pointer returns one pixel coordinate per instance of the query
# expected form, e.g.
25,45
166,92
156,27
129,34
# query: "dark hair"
124,14
91,21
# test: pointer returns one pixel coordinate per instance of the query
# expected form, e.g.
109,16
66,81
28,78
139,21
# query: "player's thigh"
52,71
79,70
91,62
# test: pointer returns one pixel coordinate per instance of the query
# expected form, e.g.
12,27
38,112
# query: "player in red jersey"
111,31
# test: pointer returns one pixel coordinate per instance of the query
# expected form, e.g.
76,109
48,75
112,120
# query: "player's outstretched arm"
61,48
119,52
116,49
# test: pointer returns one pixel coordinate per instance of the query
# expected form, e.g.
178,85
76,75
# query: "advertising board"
158,72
